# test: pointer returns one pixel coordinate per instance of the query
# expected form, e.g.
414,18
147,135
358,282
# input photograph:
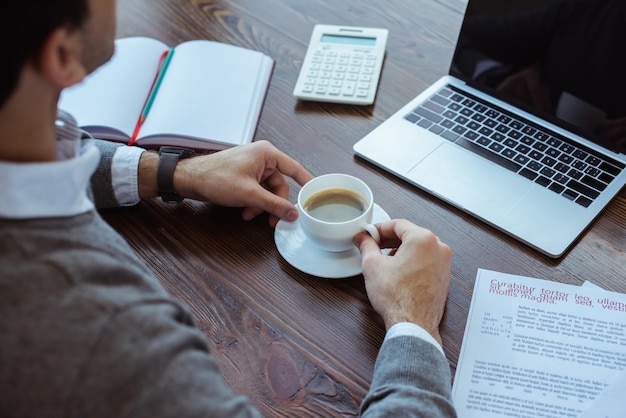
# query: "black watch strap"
168,158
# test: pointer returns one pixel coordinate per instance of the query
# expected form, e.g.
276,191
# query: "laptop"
518,133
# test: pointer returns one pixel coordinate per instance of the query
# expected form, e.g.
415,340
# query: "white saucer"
301,253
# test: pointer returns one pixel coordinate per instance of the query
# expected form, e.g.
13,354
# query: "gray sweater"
87,331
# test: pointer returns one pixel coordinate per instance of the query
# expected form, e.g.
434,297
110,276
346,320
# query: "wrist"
392,320
146,174
147,178
413,330
182,179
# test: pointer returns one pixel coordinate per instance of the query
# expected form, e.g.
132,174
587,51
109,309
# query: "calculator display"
348,40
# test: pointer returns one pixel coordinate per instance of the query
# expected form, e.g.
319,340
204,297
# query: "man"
85,330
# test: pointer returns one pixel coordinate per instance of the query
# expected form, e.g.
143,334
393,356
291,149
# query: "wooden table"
293,343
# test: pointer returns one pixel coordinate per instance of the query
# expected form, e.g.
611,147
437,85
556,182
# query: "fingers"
275,201
366,245
406,241
250,213
394,232
272,198
277,184
272,191
277,207
391,234
284,164
293,169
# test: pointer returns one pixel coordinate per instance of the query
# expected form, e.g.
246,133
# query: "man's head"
79,30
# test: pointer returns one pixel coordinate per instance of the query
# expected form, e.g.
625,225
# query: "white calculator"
342,65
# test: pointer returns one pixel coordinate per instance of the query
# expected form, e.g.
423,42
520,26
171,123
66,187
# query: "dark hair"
25,25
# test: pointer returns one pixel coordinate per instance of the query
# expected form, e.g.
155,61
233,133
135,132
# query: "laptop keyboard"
576,173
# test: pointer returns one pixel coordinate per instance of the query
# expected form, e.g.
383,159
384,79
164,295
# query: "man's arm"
147,359
408,287
115,181
411,379
251,176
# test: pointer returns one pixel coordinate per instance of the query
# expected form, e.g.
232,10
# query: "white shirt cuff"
413,330
124,167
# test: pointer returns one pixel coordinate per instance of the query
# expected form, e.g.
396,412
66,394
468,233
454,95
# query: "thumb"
275,205
366,244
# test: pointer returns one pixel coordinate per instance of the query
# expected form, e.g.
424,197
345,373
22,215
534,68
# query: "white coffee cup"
333,208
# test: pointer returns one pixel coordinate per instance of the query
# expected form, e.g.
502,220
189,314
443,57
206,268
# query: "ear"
60,58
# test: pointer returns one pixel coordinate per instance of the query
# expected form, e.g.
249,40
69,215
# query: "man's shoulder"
75,326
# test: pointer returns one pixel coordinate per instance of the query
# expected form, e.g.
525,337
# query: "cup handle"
371,229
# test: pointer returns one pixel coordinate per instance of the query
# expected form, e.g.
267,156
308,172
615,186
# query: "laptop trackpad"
469,182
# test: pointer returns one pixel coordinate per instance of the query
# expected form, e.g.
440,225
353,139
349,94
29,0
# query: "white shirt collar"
50,189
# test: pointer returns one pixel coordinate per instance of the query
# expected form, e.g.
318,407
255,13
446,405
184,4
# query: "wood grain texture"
297,345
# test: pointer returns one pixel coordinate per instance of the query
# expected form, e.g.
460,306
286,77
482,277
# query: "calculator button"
369,63
352,77
348,89
361,93
334,91
363,86
309,80
354,69
338,76
320,89
325,74
336,83
365,77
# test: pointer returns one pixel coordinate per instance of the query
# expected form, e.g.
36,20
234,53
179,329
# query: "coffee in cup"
333,209
335,205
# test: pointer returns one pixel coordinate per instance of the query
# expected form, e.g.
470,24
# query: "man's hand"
250,176
411,283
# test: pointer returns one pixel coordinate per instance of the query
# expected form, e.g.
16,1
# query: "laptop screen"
563,60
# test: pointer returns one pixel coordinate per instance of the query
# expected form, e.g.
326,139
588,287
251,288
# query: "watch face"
171,197
182,152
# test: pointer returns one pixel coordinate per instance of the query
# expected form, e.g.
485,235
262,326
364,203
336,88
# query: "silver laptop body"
535,202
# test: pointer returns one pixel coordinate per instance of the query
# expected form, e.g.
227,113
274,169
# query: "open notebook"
524,132
209,97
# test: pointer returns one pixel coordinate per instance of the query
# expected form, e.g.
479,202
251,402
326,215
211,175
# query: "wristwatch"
168,158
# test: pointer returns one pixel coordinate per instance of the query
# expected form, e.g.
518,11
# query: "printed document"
537,348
